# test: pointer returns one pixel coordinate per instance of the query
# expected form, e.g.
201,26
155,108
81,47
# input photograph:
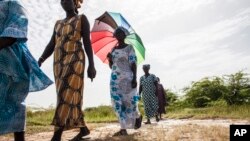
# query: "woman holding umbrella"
69,63
122,61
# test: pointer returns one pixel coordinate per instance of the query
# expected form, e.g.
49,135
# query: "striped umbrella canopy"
102,36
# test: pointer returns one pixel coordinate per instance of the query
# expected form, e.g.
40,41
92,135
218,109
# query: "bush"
238,88
218,103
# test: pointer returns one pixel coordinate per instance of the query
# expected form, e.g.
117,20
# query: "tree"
238,88
202,92
171,97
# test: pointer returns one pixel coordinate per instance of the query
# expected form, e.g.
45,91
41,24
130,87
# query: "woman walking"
161,95
69,64
19,71
122,61
148,86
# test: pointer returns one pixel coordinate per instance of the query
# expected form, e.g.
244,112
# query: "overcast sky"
185,40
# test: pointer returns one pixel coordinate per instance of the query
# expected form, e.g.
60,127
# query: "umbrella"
102,36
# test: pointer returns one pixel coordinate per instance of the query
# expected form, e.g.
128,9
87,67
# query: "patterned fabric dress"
19,71
69,63
149,95
124,98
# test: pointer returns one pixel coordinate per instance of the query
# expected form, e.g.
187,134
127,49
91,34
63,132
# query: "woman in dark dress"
161,95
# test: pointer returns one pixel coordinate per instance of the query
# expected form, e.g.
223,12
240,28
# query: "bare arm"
86,39
134,70
85,28
6,42
48,50
109,56
140,89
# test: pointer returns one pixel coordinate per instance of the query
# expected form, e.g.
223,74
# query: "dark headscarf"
146,66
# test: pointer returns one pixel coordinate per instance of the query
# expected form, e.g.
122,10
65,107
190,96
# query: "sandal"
138,122
121,133
84,131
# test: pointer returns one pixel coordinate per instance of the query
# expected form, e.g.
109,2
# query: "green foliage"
230,112
238,88
100,114
40,118
218,103
232,89
205,91
171,97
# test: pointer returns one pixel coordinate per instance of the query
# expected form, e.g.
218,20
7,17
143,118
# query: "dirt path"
166,130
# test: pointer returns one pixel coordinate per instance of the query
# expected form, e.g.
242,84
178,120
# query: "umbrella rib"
105,45
101,39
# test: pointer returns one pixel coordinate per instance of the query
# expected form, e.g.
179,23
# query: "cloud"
204,52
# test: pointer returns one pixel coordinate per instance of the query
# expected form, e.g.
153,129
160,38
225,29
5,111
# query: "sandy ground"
165,130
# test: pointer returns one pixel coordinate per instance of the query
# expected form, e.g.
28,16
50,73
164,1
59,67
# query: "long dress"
124,98
69,63
161,99
149,95
19,71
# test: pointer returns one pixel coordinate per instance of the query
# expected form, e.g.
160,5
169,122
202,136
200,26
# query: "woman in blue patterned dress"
19,71
122,61
148,86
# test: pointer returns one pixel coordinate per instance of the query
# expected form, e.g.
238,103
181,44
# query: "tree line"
233,89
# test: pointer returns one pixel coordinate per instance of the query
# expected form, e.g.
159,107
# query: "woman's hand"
134,83
91,72
109,56
40,61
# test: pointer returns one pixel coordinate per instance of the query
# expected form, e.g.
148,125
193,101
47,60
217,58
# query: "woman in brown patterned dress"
69,64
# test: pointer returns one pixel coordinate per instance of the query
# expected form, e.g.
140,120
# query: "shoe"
157,119
148,122
84,131
138,122
121,133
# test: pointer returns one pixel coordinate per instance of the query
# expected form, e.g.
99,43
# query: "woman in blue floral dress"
19,71
122,61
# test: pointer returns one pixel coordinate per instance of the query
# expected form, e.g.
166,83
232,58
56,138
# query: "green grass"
40,121
100,114
225,112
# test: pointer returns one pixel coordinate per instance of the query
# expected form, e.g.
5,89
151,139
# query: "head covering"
78,3
123,29
146,66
